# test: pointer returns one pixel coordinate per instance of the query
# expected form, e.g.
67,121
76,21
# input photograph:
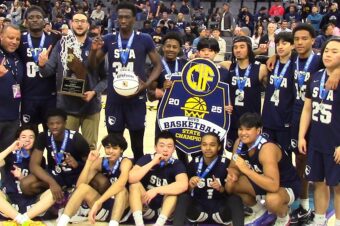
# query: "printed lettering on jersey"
194,105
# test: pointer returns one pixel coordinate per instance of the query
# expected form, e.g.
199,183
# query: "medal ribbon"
239,151
278,79
207,170
20,154
301,78
106,165
124,54
58,156
323,92
41,45
163,162
166,66
241,81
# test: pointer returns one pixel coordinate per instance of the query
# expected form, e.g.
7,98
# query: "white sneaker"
313,223
282,223
255,216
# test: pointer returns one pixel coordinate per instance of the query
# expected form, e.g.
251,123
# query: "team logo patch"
26,118
194,105
111,120
294,143
307,170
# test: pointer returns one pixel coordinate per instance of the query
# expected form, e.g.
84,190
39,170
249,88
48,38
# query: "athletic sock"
337,222
257,207
138,217
283,219
63,220
161,220
113,223
304,203
20,218
320,218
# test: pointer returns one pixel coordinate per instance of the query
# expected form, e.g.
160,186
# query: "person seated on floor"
66,156
155,181
13,204
260,169
113,170
206,201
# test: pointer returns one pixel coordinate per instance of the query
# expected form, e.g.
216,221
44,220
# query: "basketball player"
127,50
66,156
279,97
246,79
320,115
39,94
82,112
305,64
261,168
172,66
115,170
156,180
17,158
207,201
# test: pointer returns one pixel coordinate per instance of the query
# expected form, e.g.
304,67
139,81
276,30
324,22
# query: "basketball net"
66,42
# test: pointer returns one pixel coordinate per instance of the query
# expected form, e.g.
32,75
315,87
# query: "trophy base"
72,87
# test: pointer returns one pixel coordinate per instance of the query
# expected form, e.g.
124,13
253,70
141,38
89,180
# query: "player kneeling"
112,169
156,180
261,168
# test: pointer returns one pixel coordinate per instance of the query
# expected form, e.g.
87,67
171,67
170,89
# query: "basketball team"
79,180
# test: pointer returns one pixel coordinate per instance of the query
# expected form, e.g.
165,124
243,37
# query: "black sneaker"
300,216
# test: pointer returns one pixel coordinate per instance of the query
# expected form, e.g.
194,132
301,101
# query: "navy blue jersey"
113,172
172,66
76,146
219,171
142,45
277,112
288,174
159,176
224,74
11,184
35,87
252,93
300,92
9,106
325,125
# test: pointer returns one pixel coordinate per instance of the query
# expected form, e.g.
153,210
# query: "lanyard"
207,170
20,154
170,161
323,92
240,145
41,45
301,78
278,79
106,165
241,82
124,54
166,66
58,156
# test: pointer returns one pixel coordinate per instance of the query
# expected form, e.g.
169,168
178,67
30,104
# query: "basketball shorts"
281,137
20,202
121,116
321,166
34,111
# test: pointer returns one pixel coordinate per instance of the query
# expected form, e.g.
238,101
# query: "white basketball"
126,83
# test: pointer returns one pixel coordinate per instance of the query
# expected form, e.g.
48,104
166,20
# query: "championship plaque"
75,85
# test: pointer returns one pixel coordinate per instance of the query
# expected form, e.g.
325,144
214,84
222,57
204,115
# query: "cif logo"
200,77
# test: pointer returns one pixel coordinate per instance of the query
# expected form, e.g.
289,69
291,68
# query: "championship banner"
194,105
